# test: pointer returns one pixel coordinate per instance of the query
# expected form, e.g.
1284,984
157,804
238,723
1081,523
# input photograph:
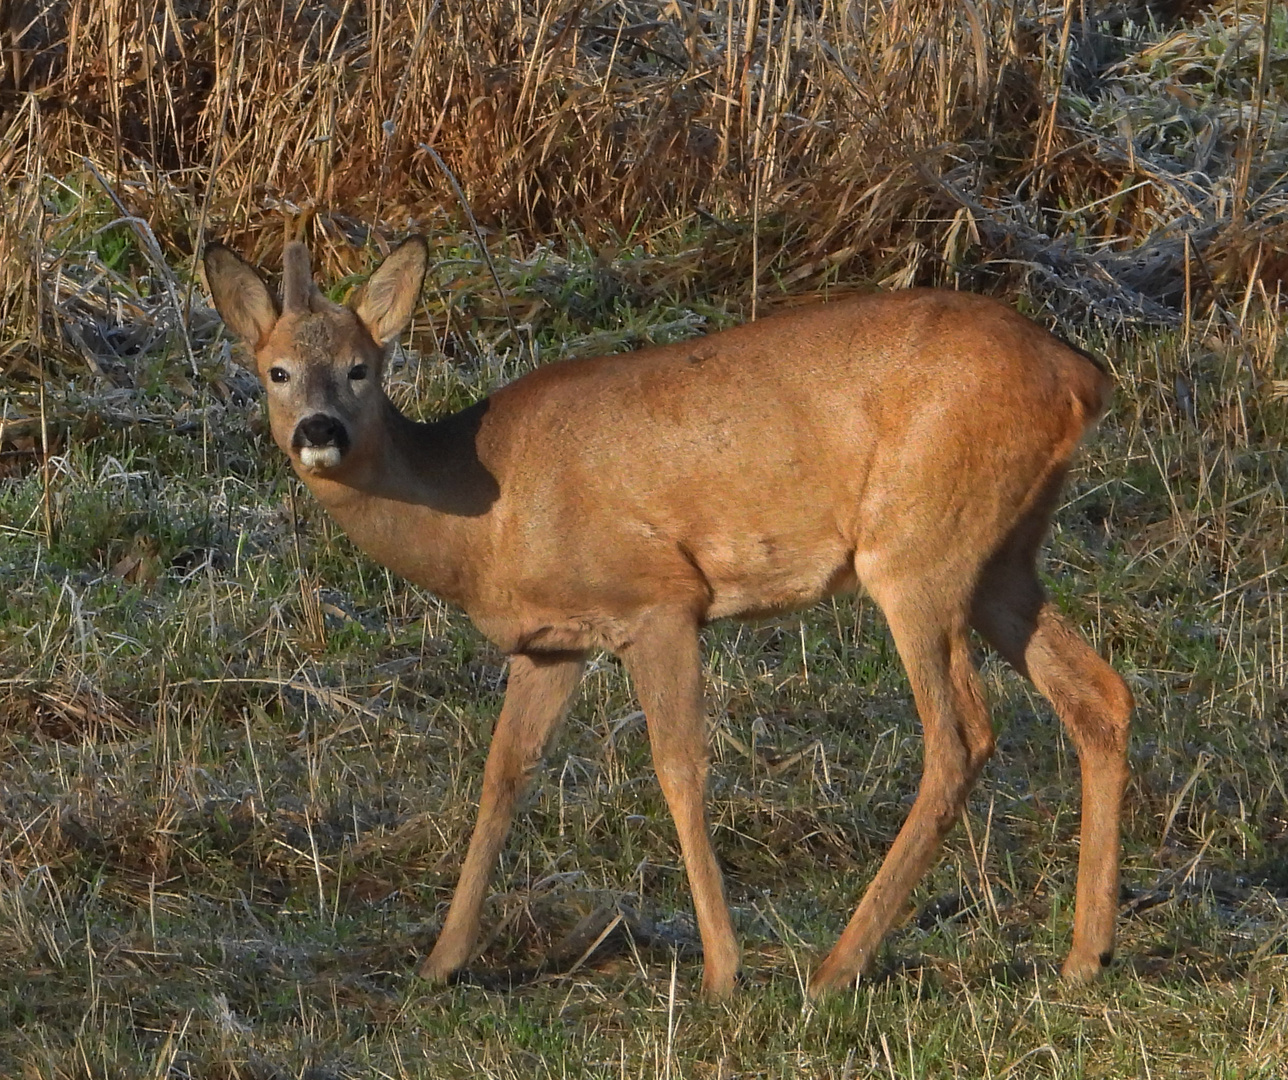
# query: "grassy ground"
239,762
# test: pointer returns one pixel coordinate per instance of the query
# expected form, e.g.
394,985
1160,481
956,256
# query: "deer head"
320,362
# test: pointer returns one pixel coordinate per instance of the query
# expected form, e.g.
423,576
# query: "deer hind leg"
537,697
930,632
1094,704
664,663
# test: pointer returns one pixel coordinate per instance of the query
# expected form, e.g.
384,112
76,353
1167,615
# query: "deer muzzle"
321,441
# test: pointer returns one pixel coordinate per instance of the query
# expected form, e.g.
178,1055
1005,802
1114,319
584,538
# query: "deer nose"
320,430
320,441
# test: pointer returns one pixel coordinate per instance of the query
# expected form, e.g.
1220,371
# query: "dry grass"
801,143
238,763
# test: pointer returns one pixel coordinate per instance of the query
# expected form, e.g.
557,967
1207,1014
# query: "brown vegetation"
790,145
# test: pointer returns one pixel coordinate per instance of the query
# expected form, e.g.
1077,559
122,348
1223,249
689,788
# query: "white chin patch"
319,457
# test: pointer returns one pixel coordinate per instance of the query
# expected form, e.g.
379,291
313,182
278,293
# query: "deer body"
615,479
913,442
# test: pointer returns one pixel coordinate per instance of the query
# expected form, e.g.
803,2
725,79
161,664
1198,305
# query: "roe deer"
914,442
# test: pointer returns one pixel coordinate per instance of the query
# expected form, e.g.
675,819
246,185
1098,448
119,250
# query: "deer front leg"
664,662
537,697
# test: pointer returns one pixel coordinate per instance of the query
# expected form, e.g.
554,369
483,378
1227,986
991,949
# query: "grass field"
239,762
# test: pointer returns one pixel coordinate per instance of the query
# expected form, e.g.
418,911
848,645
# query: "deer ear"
384,305
241,297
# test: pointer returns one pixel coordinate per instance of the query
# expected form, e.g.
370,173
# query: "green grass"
239,764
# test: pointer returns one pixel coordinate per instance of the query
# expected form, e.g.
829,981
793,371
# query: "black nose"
320,430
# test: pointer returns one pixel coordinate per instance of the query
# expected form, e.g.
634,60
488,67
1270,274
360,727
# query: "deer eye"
279,374
358,372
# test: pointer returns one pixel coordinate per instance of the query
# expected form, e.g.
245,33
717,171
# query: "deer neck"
417,498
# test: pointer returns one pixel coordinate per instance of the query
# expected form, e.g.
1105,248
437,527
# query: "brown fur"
913,442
